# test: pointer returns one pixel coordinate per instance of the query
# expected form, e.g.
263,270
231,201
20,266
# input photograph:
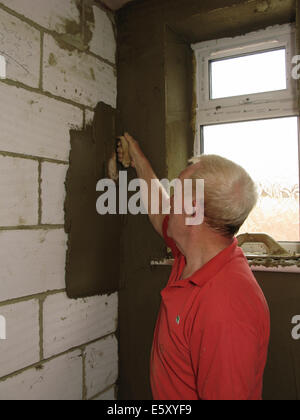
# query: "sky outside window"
268,150
248,74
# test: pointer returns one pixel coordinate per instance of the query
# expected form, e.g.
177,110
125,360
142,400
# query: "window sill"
275,264
264,263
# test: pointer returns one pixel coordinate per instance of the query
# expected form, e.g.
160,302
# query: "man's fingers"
129,138
120,139
125,144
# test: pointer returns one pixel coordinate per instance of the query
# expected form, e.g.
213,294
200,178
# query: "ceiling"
115,4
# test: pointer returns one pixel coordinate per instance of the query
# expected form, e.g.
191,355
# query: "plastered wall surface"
93,257
60,63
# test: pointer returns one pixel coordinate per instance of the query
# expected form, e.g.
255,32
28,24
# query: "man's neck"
199,253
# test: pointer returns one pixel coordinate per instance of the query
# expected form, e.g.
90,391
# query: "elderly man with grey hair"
212,333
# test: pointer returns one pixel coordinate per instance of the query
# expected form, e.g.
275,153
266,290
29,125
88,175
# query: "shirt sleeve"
225,360
170,242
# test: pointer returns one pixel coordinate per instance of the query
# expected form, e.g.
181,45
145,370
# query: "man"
212,333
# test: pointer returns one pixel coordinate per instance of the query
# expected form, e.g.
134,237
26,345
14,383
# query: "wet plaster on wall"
282,373
93,256
74,31
235,19
263,6
179,97
78,34
153,39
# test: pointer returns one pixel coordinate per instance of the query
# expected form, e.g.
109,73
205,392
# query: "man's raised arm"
145,172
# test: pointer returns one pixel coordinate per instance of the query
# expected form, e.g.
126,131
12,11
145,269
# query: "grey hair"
229,193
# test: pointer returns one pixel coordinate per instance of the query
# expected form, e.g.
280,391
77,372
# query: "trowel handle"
126,161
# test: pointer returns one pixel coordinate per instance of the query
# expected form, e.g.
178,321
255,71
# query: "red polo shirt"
212,333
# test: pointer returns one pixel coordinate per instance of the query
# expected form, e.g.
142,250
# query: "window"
253,73
247,112
268,150
2,67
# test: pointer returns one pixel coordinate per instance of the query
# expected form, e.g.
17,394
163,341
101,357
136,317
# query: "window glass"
248,74
268,150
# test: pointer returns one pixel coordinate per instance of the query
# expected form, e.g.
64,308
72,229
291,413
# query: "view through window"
269,151
253,73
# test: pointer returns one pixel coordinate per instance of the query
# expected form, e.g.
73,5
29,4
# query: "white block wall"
20,206
23,42
21,346
53,193
101,365
79,77
51,87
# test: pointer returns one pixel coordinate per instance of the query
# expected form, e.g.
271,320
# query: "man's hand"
135,152
145,172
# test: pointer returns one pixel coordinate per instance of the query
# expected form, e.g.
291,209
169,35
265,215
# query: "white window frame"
245,107
266,105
